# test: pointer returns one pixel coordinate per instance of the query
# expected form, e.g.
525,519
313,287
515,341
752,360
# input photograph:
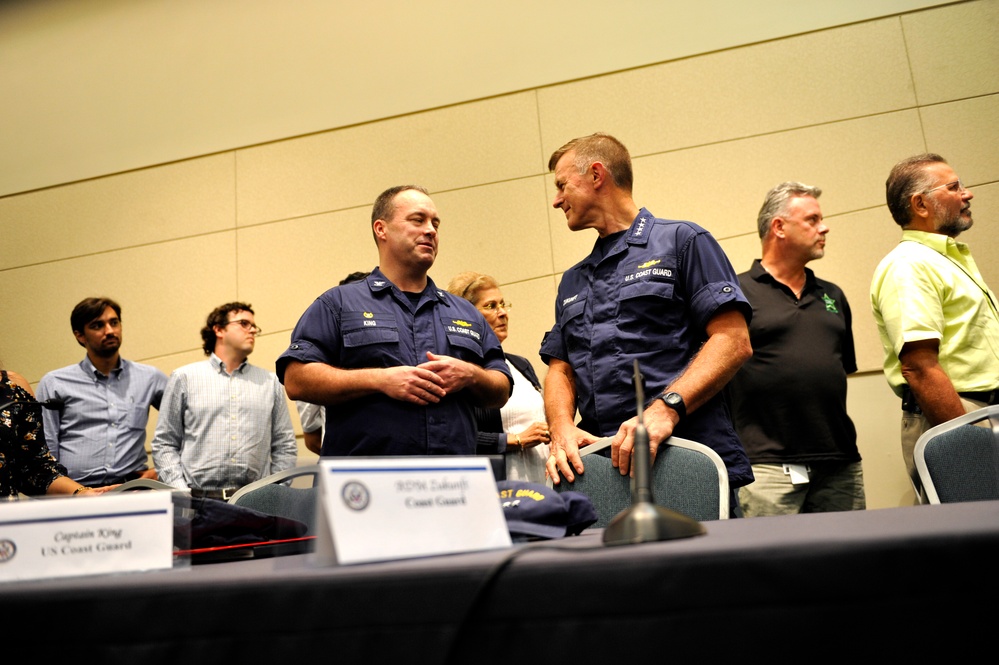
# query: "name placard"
111,533
384,508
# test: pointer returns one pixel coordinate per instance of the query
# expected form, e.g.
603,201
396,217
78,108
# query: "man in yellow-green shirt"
937,318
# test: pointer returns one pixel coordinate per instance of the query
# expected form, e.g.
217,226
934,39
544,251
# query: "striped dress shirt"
218,430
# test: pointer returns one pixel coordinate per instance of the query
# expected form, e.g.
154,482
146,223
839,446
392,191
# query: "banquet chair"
143,484
279,494
959,460
687,477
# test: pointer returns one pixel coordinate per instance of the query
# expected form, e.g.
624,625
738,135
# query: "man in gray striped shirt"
223,422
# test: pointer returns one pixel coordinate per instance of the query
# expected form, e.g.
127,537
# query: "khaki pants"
831,486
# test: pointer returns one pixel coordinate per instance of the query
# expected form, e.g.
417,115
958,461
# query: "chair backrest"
959,460
687,477
276,495
143,484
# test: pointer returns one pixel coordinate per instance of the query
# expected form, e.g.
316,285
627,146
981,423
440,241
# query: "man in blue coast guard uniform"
659,291
397,362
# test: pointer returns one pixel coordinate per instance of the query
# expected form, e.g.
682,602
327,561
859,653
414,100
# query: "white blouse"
525,406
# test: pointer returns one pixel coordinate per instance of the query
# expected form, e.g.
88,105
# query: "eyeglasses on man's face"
492,305
955,187
248,326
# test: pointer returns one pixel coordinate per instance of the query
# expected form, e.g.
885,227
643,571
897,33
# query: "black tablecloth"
902,582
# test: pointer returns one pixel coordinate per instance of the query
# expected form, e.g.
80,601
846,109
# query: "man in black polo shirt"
789,400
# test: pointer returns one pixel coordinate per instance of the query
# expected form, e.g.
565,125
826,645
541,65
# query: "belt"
991,397
222,495
909,404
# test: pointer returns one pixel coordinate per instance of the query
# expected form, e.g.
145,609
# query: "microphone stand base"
646,522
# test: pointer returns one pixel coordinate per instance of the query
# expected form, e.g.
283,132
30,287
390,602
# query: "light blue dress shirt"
100,433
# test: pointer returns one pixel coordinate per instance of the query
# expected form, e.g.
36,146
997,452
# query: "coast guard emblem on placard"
7,550
355,495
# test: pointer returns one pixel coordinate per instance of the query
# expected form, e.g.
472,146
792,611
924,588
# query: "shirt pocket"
465,337
648,310
573,324
650,289
370,339
138,416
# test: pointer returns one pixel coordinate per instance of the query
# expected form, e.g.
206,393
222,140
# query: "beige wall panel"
814,78
172,361
104,86
954,51
499,229
165,291
283,267
983,237
741,250
966,134
458,146
876,413
721,187
173,201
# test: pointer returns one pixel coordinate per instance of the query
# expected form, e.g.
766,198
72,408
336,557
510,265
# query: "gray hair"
775,204
906,178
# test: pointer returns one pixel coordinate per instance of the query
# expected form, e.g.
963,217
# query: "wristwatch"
675,402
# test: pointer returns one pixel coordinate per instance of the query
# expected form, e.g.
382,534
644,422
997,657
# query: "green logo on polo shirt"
830,304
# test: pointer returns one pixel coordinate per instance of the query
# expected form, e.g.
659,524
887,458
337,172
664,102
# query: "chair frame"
147,484
723,487
275,478
990,413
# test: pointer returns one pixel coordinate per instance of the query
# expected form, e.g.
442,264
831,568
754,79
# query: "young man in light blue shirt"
99,433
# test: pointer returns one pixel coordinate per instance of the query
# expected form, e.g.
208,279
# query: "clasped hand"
428,382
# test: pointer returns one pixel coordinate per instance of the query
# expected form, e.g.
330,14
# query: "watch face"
675,402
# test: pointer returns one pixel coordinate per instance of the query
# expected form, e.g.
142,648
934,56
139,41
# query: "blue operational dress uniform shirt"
646,293
100,433
371,323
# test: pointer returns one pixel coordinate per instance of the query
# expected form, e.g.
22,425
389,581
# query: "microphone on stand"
644,521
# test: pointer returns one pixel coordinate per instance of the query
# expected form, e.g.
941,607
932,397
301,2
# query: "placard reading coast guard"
384,508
